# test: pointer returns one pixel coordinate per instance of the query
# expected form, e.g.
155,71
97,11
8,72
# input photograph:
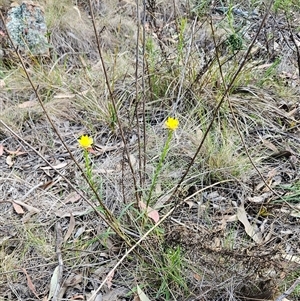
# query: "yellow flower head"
172,123
85,141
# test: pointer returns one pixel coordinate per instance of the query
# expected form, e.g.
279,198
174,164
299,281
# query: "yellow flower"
85,141
172,123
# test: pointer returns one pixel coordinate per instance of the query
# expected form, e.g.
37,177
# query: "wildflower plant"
171,124
86,143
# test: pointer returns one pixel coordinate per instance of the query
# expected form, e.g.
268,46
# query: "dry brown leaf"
78,297
260,199
30,284
1,149
64,95
73,197
58,166
28,207
114,295
103,149
9,161
152,213
53,282
15,153
28,104
73,280
71,227
141,294
63,213
269,145
110,277
252,231
162,200
18,208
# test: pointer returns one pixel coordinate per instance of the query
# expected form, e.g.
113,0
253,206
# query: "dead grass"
203,251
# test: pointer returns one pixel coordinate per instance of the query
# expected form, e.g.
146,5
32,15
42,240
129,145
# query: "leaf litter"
210,228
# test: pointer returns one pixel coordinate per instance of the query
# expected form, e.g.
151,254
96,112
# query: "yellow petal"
172,123
85,141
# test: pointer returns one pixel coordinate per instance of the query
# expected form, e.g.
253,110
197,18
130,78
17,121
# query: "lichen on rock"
27,28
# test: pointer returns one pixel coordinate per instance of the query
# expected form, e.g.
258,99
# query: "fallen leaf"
28,104
1,149
252,231
63,213
295,213
114,295
162,200
110,277
79,232
78,297
28,207
9,161
58,166
73,197
18,208
64,95
15,153
132,160
260,199
292,258
141,294
30,284
71,227
152,213
54,282
73,280
269,145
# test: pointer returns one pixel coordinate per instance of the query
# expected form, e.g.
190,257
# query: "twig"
113,101
110,219
289,291
114,226
234,117
141,239
215,113
59,241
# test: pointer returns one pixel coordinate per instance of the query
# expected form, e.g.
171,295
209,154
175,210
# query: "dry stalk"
223,98
113,102
93,296
109,217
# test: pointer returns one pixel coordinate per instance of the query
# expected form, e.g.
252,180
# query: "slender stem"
160,164
88,165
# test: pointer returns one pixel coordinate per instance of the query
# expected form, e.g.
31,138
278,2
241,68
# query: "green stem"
88,166
159,166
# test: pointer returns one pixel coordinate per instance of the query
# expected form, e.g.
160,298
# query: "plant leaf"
18,208
152,213
250,230
30,284
53,282
71,227
110,277
141,294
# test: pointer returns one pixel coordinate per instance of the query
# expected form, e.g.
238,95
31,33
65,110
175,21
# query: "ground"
206,210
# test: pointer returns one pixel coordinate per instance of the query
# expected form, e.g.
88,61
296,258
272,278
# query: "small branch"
113,101
289,291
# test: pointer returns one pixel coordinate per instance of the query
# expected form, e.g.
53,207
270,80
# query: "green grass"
139,162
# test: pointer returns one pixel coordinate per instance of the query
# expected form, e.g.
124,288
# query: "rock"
27,28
